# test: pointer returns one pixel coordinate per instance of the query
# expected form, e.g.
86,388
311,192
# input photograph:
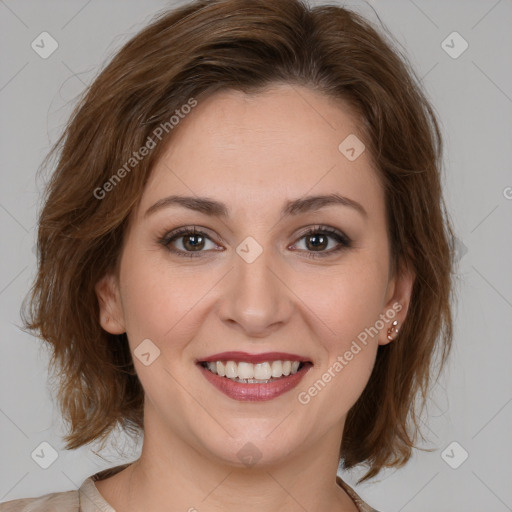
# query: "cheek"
347,306
164,302
359,296
350,299
350,309
156,298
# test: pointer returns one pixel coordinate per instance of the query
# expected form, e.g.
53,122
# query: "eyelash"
340,237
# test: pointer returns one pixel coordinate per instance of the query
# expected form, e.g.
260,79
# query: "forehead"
280,143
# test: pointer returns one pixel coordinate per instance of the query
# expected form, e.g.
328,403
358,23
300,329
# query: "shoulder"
360,504
85,499
67,501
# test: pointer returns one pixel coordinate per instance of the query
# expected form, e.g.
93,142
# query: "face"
260,282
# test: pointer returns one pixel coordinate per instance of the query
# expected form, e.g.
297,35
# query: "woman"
244,253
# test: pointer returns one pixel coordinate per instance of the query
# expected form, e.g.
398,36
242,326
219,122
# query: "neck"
172,474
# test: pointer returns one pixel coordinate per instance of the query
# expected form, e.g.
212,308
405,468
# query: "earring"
393,330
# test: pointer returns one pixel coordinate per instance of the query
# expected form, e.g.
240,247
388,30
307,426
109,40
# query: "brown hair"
244,45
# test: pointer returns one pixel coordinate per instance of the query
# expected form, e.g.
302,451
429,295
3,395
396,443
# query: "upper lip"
253,358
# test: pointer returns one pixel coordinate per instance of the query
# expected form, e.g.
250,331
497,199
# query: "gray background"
471,403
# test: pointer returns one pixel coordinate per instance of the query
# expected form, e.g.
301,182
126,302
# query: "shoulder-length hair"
182,56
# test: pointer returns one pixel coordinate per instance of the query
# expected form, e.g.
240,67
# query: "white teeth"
253,373
245,370
231,370
262,371
277,369
220,368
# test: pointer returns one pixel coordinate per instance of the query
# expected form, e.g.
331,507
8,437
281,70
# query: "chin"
253,448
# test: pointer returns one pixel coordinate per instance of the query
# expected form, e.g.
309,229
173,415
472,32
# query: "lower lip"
254,392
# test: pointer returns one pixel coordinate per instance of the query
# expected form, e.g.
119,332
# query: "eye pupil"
321,244
187,238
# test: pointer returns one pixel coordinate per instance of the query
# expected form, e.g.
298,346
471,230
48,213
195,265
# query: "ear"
109,299
398,298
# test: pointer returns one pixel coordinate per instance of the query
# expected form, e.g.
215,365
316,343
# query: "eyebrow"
294,207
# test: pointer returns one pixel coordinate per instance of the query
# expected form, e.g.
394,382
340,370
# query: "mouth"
249,373
257,377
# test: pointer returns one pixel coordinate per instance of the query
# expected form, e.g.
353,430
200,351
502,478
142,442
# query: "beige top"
88,499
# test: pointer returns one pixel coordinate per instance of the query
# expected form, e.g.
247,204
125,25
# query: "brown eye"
193,242
186,242
317,240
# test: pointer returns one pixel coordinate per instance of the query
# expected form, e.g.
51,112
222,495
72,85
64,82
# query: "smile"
249,373
246,377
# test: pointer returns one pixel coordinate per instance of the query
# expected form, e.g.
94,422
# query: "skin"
252,152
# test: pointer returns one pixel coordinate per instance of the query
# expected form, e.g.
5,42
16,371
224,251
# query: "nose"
257,298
